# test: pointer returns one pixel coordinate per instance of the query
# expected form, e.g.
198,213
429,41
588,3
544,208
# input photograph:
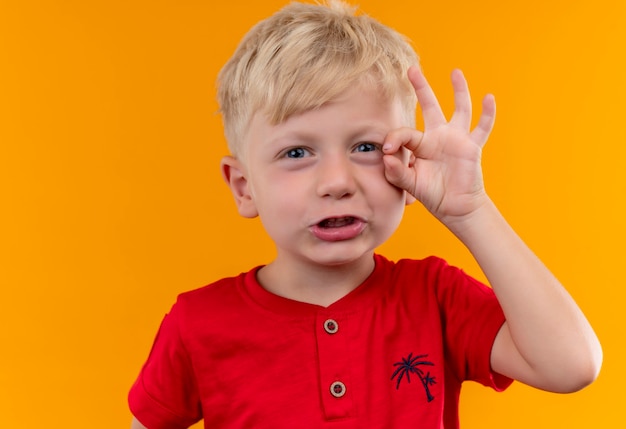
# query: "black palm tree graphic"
410,365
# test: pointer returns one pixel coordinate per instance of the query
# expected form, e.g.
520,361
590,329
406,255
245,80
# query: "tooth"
336,222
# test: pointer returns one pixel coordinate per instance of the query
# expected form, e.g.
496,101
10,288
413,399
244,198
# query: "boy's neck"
312,283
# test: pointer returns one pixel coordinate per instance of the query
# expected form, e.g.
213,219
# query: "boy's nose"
335,178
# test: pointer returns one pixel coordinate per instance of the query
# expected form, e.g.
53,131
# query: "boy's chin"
342,259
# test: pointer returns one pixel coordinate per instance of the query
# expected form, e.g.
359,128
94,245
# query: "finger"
431,111
480,134
407,137
398,174
462,116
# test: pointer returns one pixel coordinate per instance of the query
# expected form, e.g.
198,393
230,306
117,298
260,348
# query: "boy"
319,117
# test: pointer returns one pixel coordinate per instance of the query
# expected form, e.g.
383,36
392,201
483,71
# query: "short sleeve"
165,394
472,317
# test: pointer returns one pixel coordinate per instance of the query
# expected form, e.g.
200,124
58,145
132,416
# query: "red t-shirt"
391,354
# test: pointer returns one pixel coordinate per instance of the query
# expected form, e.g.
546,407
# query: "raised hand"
444,171
546,340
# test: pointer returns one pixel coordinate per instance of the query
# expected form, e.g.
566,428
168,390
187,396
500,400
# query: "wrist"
479,223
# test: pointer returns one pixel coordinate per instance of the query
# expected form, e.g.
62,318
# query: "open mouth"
337,222
338,228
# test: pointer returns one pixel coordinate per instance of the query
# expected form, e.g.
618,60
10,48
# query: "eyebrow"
379,130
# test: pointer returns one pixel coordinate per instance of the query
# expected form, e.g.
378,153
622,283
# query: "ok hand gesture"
444,171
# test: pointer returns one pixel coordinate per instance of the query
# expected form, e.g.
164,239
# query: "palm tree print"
411,365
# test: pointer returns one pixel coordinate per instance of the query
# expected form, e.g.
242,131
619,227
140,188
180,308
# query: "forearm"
546,326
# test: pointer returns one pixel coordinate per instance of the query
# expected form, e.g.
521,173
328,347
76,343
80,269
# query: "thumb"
398,174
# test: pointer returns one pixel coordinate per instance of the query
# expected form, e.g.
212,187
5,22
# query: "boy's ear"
234,175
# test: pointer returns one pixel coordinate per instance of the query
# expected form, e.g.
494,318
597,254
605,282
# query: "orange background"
112,201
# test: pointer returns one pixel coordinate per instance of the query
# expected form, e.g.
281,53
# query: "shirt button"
331,326
337,389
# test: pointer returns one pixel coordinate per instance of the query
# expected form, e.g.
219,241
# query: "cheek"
382,184
277,196
389,198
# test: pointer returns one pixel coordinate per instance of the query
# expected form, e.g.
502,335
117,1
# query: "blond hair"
304,56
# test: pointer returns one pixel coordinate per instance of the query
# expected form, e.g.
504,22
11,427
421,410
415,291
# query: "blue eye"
296,152
366,147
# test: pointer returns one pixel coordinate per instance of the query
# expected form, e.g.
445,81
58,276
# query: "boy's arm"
135,424
546,340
